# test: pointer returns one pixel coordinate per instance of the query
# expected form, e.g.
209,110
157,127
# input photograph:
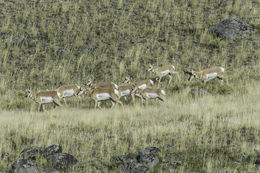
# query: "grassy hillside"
45,44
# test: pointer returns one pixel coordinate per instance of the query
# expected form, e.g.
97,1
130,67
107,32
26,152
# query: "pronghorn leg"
113,104
133,97
39,107
65,101
159,80
170,78
96,102
57,102
99,103
79,99
161,98
125,98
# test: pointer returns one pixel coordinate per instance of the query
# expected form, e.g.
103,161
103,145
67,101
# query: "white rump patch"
211,76
222,69
173,67
163,92
151,95
79,87
164,73
125,93
103,96
142,87
68,93
151,82
46,99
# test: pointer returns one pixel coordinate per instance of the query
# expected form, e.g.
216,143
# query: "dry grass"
206,134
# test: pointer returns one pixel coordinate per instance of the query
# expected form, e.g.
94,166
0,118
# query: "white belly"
46,99
138,95
164,73
66,93
151,95
211,76
125,93
103,96
142,86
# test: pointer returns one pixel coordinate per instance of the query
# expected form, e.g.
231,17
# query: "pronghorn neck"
32,96
199,74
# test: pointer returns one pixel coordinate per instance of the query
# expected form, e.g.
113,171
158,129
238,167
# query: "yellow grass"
207,131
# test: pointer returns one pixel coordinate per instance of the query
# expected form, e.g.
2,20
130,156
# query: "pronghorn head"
150,67
28,93
90,81
191,73
87,91
127,79
138,91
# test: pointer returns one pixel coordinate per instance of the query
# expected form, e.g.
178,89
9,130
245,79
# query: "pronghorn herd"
100,91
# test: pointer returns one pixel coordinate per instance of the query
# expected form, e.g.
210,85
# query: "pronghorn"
44,97
207,74
99,94
140,84
69,91
150,93
148,83
126,90
163,71
93,84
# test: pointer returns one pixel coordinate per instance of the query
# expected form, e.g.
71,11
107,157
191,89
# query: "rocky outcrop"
30,153
23,166
26,163
231,28
142,162
62,161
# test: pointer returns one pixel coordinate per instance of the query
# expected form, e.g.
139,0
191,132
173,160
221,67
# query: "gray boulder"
23,166
30,153
231,28
53,149
142,162
62,160
52,171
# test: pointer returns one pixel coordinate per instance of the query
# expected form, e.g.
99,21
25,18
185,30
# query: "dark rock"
148,156
23,166
257,161
129,164
5,156
17,42
31,153
64,50
62,160
226,2
53,149
52,171
145,160
231,28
